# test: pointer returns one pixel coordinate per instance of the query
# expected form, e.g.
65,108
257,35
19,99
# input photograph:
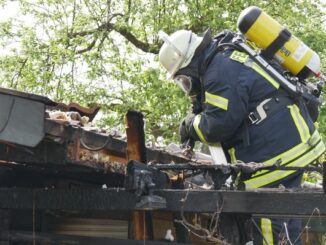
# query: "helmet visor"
171,56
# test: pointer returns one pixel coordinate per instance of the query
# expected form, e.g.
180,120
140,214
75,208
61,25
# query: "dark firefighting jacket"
246,110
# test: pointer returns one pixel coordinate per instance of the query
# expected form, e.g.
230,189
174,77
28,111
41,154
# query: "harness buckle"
253,117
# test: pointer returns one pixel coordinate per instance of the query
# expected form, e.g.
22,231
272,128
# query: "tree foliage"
104,51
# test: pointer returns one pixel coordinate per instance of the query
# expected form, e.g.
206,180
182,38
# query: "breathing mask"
188,84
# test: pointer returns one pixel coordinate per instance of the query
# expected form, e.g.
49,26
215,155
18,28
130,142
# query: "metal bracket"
142,179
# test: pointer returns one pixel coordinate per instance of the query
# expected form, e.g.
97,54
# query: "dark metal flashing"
83,111
28,96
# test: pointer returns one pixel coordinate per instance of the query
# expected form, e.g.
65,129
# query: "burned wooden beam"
135,136
36,175
44,153
113,146
54,148
136,150
91,139
267,202
40,237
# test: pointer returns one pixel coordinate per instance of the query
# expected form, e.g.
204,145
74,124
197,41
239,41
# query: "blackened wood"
136,150
4,227
46,152
24,236
51,152
93,139
135,136
113,146
254,202
157,156
36,176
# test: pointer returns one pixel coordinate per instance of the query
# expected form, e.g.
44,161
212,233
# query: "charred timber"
53,152
260,201
40,237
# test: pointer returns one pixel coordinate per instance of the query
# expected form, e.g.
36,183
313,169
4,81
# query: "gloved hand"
184,131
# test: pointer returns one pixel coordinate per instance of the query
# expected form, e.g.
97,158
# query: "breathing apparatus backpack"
267,42
276,41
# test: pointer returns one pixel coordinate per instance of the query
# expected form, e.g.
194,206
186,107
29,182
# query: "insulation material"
70,116
89,227
100,159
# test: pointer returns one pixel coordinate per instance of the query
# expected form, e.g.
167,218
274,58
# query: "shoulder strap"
224,41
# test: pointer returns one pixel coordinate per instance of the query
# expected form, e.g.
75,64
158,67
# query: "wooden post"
136,150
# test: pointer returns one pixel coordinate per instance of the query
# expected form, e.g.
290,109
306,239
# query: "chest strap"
267,108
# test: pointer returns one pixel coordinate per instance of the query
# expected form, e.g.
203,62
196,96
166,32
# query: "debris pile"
72,117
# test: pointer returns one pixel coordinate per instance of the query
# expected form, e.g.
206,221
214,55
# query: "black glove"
184,131
196,104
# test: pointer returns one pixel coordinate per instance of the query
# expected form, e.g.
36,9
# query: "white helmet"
177,50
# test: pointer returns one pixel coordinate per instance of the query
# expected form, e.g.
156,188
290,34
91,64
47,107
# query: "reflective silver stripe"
197,129
279,174
266,228
217,101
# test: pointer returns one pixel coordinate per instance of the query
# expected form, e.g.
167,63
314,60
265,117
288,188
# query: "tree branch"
88,48
82,33
108,26
101,42
18,74
146,47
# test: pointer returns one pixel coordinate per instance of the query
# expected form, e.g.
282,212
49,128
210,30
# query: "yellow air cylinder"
276,41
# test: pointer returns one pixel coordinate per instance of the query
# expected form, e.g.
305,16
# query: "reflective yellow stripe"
217,101
293,153
279,174
244,58
232,155
299,122
266,228
289,155
263,73
197,129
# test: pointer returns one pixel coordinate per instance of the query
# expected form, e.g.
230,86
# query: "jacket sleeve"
227,91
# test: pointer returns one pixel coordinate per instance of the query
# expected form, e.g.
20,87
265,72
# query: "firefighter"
238,104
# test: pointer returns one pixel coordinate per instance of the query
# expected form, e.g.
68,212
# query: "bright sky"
10,10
